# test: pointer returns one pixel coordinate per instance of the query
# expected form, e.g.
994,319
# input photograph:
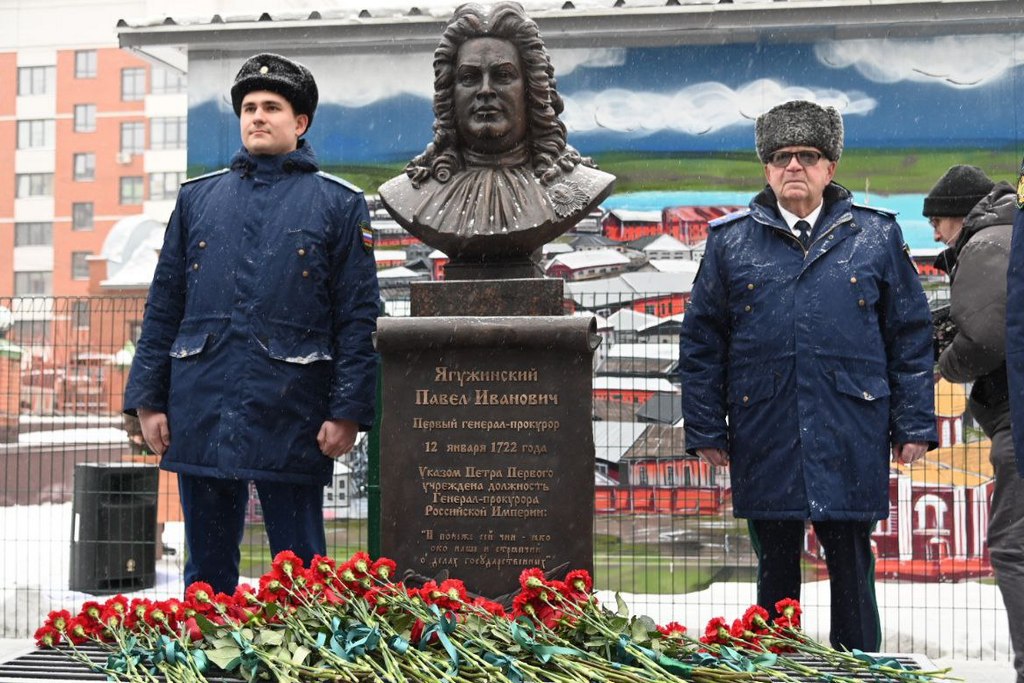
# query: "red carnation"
58,619
494,608
47,636
790,609
118,604
78,630
531,579
384,568
272,589
579,585
755,619
91,611
199,596
672,629
717,631
287,564
454,592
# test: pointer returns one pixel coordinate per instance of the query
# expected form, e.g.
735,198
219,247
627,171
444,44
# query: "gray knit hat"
799,122
957,192
290,80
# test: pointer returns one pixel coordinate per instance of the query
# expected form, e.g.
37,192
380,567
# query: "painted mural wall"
937,93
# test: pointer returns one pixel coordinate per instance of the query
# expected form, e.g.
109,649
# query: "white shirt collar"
792,218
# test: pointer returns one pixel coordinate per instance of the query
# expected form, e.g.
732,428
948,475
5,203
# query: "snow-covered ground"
945,621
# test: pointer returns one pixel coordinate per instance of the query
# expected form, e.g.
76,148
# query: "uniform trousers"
1006,539
851,572
215,520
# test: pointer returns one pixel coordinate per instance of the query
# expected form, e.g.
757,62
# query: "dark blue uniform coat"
805,368
1015,328
259,321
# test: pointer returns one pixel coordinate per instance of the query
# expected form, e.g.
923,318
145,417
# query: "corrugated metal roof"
359,25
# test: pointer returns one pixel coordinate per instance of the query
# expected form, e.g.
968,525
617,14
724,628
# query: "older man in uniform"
806,356
255,360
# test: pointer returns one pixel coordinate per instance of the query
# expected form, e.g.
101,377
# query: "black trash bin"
113,533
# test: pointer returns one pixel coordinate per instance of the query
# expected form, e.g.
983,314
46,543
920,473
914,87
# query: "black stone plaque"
487,297
487,450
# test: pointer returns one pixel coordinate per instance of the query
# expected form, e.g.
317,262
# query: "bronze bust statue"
498,180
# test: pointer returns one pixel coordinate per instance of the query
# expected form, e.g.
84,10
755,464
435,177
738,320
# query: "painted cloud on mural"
697,109
360,80
954,61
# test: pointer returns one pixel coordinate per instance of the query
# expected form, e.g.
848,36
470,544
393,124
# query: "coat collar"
998,207
301,160
836,200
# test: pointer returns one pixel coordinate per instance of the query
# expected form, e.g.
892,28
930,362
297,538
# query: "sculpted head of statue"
497,180
494,92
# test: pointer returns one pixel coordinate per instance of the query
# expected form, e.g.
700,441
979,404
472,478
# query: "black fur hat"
957,192
278,74
799,122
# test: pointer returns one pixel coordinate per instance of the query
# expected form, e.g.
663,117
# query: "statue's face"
490,95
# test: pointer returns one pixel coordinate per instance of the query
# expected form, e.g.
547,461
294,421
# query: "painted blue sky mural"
950,91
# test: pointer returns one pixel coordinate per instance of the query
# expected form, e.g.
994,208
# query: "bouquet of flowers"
352,622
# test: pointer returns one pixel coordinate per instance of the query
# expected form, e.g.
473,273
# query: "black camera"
943,327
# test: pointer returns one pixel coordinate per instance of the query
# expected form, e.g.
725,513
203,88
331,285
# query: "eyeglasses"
804,158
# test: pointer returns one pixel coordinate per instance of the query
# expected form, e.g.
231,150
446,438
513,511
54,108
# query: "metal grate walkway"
55,666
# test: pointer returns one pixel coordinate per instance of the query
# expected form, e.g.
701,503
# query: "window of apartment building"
35,80
168,132
81,216
133,84
167,81
164,185
36,134
131,190
33,185
33,234
85,118
80,265
133,137
80,312
33,283
85,166
85,64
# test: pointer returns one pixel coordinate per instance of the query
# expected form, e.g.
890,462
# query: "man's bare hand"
337,437
908,453
716,456
155,430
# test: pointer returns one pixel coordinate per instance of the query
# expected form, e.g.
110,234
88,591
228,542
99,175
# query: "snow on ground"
963,620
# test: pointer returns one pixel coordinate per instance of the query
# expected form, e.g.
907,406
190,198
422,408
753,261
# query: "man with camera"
973,216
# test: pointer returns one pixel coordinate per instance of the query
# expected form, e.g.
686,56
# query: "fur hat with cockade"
280,75
799,123
957,192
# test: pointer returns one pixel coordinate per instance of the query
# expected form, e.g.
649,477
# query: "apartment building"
91,134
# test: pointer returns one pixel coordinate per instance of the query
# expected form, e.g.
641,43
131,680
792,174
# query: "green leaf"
223,641
639,631
207,627
227,657
648,623
622,609
270,637
300,655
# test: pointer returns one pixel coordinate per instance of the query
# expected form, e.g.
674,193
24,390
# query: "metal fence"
83,508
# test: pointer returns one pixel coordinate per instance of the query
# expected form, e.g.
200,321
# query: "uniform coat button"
202,244
302,252
195,266
853,280
305,273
